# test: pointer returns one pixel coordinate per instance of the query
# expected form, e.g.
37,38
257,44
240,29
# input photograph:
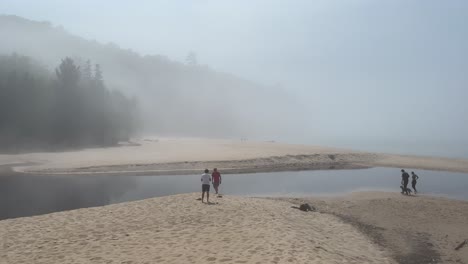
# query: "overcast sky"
376,70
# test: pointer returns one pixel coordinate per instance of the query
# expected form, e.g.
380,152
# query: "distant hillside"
176,98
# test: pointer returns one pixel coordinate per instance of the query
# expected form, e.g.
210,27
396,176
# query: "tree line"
69,108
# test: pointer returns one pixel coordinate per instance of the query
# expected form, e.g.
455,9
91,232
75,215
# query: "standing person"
205,179
216,179
404,179
414,181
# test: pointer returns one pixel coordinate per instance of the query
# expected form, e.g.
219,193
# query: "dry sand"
367,227
416,229
180,229
190,155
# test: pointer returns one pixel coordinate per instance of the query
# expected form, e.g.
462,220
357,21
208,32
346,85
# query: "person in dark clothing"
404,179
414,181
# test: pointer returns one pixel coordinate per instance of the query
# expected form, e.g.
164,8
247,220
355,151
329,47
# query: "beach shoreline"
169,156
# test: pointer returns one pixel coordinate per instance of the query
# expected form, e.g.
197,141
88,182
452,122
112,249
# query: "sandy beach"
415,229
180,229
163,156
372,227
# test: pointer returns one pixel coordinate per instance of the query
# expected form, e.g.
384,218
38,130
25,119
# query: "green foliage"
71,109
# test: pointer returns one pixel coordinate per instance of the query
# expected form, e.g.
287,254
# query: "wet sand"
415,229
166,156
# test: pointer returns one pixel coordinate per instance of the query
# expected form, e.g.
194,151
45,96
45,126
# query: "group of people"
405,179
215,179
206,178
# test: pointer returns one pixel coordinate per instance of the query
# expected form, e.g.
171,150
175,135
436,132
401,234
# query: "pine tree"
68,74
192,59
87,72
69,107
98,79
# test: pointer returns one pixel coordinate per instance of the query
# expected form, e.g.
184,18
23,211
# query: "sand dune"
180,229
190,155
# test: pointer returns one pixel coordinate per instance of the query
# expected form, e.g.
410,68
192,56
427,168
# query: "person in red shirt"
216,179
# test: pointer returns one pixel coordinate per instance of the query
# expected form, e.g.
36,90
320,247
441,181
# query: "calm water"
32,195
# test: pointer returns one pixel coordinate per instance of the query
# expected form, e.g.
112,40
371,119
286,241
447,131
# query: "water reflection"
32,195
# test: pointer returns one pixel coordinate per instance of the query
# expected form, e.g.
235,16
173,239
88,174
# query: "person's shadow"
208,203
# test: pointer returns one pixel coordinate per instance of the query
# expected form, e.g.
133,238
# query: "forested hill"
71,108
175,98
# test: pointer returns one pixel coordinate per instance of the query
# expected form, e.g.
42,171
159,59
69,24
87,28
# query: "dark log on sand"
462,244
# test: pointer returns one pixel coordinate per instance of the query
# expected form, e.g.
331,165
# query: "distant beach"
165,156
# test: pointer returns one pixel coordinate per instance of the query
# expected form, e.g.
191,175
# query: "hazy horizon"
363,72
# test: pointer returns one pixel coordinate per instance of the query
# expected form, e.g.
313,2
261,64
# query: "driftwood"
305,207
462,244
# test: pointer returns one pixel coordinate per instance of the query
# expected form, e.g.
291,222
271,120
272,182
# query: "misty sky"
364,70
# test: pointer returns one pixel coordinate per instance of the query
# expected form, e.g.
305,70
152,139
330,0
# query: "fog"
375,75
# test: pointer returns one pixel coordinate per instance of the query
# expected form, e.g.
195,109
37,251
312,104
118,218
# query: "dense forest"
184,98
70,107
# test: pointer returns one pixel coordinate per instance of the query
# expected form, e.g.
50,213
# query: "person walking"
404,180
216,179
414,181
205,179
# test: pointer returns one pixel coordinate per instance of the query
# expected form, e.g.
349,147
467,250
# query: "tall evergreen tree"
192,59
87,72
68,74
98,75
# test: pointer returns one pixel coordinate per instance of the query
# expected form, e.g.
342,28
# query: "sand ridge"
180,229
165,156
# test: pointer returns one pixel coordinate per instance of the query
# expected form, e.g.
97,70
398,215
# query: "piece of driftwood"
462,244
305,207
